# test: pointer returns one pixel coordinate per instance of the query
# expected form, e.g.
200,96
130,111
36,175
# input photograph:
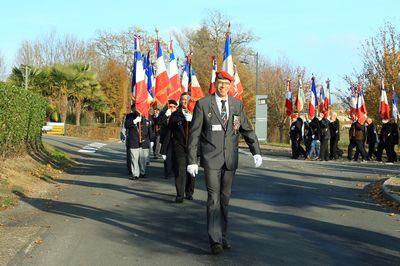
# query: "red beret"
223,75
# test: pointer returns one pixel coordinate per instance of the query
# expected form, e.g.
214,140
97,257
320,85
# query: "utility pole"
256,73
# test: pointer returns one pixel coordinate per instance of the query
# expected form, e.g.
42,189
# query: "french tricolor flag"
162,79
361,107
141,92
314,99
237,85
384,109
185,77
288,101
213,74
227,64
196,93
395,103
174,91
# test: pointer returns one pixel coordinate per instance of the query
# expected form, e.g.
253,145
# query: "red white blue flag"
162,80
384,109
213,74
314,99
174,91
288,101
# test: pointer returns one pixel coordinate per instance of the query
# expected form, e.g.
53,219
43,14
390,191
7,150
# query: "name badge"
216,128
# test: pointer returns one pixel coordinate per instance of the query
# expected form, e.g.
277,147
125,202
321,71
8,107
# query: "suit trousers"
169,162
184,182
128,158
372,150
134,161
333,149
324,153
143,159
219,184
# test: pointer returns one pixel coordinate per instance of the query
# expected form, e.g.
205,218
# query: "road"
285,213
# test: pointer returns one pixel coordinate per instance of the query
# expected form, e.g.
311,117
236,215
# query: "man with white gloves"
217,121
138,134
177,136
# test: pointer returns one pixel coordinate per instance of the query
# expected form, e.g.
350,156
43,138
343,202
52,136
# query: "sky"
325,37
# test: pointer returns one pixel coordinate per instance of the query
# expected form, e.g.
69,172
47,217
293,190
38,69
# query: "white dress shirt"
219,104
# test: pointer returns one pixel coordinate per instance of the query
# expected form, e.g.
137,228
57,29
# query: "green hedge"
22,115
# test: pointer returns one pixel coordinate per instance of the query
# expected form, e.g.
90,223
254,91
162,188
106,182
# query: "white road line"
92,147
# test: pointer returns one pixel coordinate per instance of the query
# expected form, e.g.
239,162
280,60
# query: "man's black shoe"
216,249
142,176
135,178
226,245
178,199
189,197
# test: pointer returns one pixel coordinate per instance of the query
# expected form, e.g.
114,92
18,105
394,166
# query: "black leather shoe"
216,249
189,197
142,176
226,245
178,200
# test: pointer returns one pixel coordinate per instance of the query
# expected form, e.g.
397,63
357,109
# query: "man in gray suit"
217,121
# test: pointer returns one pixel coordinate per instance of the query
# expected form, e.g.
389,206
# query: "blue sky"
323,36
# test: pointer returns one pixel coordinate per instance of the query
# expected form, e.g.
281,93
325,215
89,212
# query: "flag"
136,54
185,76
227,64
141,92
213,75
148,67
174,91
314,99
288,101
327,100
384,109
196,93
353,100
361,108
162,80
395,103
236,89
300,97
321,106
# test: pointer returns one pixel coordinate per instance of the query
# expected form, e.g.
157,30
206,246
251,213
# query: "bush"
22,115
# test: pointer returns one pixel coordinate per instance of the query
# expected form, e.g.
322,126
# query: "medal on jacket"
236,123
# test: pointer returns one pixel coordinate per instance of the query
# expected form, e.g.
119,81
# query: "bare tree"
52,49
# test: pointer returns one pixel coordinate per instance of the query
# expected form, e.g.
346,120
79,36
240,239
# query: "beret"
223,75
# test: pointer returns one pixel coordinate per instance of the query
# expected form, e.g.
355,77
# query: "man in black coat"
372,138
334,127
133,140
156,130
393,140
325,136
383,141
217,121
315,138
177,136
295,137
168,157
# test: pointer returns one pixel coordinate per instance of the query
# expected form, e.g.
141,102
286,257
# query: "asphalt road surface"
285,213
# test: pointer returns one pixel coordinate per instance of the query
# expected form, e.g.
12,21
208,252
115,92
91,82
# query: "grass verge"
31,174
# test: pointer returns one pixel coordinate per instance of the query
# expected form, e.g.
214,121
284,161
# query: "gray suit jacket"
218,145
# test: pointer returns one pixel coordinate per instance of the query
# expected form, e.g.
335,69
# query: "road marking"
92,147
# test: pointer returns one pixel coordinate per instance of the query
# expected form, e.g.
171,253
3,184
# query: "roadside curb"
387,191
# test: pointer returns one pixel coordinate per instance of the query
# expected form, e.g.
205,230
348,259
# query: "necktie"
224,116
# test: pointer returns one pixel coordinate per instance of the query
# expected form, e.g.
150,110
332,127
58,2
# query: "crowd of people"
321,135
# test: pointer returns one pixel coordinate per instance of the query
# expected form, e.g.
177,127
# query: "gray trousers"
219,184
134,159
143,159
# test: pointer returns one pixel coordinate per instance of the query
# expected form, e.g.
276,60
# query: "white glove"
168,113
151,145
193,169
137,119
188,116
164,157
257,160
